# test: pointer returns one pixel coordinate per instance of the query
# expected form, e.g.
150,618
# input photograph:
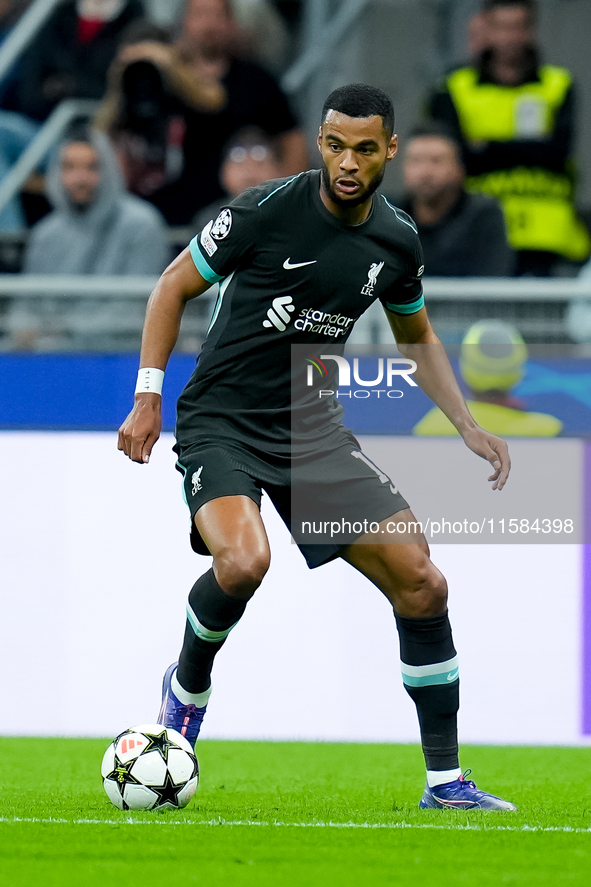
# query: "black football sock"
431,678
211,615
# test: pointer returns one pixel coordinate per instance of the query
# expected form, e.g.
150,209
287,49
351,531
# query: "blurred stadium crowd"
190,114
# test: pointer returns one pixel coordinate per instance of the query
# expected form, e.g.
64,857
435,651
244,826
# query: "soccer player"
298,261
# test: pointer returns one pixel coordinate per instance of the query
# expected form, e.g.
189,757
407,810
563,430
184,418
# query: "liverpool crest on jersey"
372,277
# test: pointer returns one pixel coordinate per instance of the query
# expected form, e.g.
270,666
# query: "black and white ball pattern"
150,767
221,226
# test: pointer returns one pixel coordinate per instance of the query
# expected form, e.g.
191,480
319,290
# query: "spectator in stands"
72,52
95,228
492,362
207,43
516,118
249,159
463,235
150,87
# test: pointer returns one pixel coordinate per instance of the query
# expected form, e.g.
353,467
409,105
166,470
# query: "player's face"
80,172
510,32
355,151
432,168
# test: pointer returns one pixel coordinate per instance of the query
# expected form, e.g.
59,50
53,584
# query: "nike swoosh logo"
453,675
288,266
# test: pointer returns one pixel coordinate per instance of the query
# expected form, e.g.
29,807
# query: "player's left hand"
493,448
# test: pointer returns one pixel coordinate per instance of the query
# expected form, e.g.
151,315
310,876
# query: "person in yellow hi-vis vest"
516,120
492,362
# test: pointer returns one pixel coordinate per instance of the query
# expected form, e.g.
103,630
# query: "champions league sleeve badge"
222,225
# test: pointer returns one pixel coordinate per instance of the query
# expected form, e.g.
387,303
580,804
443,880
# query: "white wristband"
149,379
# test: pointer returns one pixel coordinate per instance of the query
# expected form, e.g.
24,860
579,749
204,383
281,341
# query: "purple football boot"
461,794
186,719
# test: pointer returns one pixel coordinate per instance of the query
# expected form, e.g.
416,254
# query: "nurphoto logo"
389,370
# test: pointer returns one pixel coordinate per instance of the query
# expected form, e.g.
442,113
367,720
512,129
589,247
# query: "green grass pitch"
274,814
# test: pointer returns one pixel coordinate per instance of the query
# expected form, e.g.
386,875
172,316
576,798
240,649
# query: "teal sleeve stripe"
204,270
412,308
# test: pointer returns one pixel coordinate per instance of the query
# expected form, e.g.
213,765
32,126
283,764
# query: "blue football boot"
186,719
461,794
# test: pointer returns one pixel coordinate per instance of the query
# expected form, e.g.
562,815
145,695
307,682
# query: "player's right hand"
141,429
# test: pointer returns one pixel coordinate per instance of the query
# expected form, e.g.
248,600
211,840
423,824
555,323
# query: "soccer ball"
150,767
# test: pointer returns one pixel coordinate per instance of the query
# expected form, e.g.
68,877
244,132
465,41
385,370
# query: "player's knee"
431,596
436,590
239,572
426,591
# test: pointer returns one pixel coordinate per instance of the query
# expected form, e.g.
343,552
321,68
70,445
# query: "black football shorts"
327,500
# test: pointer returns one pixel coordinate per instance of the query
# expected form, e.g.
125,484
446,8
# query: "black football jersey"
289,273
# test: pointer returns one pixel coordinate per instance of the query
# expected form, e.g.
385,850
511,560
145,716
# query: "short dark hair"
435,129
361,100
529,5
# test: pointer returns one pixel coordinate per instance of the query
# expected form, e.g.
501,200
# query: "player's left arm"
417,341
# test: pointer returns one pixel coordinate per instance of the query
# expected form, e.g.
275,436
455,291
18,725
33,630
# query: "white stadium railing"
75,287
542,309
528,289
62,313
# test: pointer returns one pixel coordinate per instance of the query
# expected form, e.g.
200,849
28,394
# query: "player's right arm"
179,283
210,258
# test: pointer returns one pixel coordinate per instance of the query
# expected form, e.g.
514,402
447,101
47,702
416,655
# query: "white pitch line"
448,827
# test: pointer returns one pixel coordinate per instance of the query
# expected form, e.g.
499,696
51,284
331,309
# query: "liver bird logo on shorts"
372,278
196,481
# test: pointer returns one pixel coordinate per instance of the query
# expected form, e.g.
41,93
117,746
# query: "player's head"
249,159
356,141
510,27
209,26
433,164
492,357
80,167
361,100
